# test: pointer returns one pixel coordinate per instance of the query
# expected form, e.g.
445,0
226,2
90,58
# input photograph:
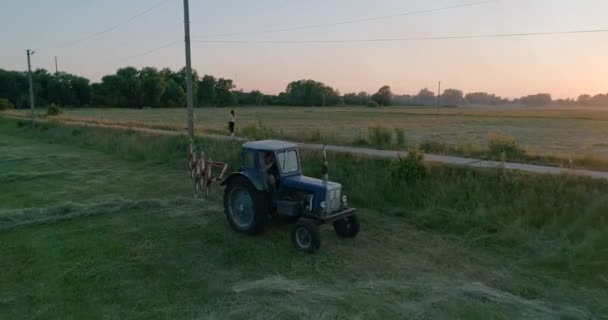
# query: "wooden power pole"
190,97
438,97
29,76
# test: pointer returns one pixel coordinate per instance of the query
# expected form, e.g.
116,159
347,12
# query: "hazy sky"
564,65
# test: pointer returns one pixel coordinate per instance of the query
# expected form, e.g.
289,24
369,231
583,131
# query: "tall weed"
380,136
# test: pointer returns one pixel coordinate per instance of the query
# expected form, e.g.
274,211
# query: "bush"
54,110
372,104
379,136
400,136
360,139
411,167
6,104
433,145
258,131
315,136
504,145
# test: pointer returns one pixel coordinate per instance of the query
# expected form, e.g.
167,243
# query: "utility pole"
438,97
56,70
190,99
29,75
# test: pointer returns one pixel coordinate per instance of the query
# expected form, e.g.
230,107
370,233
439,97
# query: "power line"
353,21
96,34
142,54
167,45
503,35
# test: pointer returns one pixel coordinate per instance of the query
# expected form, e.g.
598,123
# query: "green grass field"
100,224
565,137
557,132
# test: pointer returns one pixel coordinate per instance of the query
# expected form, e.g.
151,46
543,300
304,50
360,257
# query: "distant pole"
438,97
56,69
190,99
29,76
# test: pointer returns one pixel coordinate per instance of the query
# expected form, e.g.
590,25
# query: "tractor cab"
269,161
270,182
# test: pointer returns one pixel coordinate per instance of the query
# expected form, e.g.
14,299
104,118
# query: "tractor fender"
257,183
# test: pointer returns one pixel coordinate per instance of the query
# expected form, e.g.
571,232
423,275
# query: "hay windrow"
10,219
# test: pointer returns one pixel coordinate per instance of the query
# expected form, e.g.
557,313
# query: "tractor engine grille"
333,200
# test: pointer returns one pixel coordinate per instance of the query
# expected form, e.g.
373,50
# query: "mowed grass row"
569,134
129,242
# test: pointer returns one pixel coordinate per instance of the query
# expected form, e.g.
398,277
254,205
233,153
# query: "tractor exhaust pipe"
325,169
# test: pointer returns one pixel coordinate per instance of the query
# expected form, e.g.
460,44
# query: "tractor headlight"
344,200
323,204
309,205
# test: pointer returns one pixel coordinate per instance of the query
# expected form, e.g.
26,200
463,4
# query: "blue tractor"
270,183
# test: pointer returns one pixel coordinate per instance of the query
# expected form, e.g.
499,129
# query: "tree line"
149,87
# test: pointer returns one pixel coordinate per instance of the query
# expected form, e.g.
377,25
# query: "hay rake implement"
202,171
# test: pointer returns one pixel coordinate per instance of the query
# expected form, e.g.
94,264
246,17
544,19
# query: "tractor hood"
307,183
319,188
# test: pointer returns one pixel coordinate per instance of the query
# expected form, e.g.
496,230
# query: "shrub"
359,139
372,104
400,136
258,131
315,136
411,167
6,104
54,110
379,136
433,145
504,145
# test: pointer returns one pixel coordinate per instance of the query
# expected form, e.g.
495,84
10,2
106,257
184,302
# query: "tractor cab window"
288,161
248,160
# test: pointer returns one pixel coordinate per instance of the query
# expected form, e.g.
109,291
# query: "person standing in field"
231,123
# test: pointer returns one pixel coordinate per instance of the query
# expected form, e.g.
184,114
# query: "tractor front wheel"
347,227
245,207
305,236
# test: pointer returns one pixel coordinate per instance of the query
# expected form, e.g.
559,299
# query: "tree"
356,99
565,102
81,91
255,97
384,96
584,100
13,86
207,96
195,80
403,100
223,89
129,86
536,100
599,100
152,87
310,93
108,92
363,97
425,97
174,95
351,99
482,98
452,98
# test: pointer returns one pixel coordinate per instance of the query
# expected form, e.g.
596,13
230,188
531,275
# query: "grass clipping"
421,297
10,219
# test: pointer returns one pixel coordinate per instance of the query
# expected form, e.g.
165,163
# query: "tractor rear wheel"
305,236
347,227
246,208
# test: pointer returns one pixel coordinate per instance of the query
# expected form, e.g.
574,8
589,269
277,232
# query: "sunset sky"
563,65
